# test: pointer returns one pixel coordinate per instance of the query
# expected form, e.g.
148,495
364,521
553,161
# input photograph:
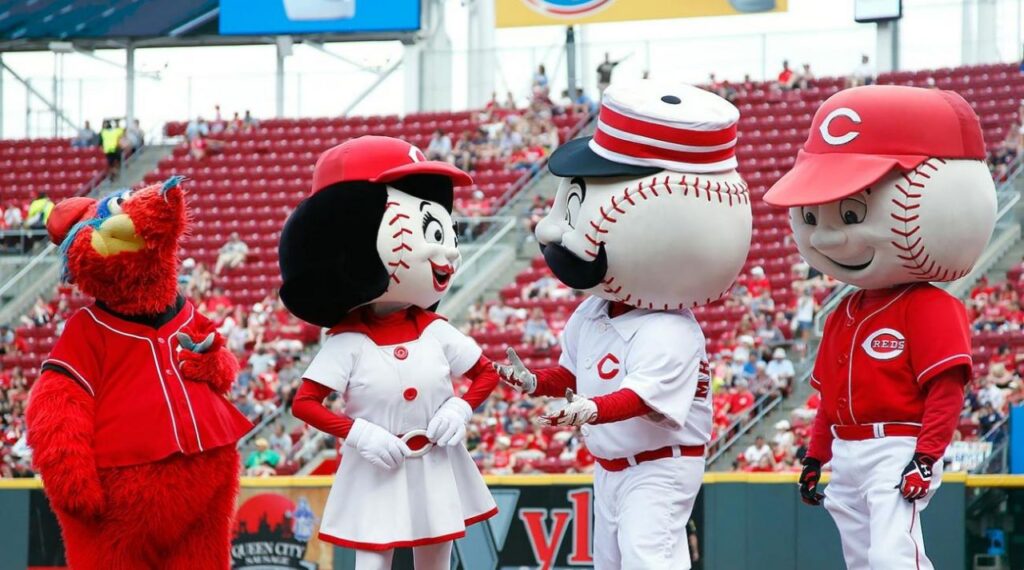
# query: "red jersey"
874,360
144,409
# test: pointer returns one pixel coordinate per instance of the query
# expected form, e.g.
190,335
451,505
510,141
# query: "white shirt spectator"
12,217
755,455
781,368
261,362
992,395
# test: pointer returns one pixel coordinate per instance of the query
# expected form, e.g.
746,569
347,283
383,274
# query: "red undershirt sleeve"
820,447
553,382
308,406
943,401
619,405
483,379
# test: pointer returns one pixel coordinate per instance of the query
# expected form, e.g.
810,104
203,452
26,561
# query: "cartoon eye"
574,201
114,204
809,214
455,232
433,231
852,211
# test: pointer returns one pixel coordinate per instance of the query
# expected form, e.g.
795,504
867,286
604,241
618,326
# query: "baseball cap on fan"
646,126
379,160
859,135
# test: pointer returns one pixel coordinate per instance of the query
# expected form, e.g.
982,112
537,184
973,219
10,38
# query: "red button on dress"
410,394
401,352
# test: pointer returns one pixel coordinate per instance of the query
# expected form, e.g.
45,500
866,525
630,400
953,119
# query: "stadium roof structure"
27,25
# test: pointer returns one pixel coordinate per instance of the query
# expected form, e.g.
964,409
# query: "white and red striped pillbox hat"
647,126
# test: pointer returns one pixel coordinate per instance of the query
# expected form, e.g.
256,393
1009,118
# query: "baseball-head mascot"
890,192
128,421
652,219
367,255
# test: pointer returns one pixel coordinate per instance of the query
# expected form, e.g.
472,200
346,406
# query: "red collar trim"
396,328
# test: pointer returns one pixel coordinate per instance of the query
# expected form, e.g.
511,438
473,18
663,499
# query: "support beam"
481,59
3,107
320,47
570,59
35,92
366,92
284,49
129,87
887,46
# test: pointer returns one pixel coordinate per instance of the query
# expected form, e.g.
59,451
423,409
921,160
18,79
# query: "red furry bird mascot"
130,428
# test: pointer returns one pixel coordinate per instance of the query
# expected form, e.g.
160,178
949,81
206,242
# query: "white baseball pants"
640,514
879,529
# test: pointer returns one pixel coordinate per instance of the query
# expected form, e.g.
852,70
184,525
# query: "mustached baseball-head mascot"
368,254
128,421
889,193
651,219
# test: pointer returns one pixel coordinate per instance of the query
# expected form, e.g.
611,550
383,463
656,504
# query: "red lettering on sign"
545,544
582,553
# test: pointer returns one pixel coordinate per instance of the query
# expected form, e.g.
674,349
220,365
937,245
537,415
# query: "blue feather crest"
65,245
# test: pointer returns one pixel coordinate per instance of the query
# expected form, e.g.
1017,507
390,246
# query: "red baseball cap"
859,135
379,160
66,214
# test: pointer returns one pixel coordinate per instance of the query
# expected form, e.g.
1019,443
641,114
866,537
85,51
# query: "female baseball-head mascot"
890,192
367,255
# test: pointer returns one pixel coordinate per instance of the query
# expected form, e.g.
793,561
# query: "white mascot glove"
580,410
377,445
517,374
448,426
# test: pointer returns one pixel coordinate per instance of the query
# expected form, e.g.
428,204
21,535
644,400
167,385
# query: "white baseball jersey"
660,356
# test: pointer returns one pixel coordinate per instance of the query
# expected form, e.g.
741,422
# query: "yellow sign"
514,13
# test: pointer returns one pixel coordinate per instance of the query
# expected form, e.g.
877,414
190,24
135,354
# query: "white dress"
427,499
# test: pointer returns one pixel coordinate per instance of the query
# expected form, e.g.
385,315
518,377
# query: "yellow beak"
115,235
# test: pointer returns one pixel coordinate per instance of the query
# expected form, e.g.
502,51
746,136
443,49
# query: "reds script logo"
608,367
825,127
884,344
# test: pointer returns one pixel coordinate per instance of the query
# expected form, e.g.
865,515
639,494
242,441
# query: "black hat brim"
575,158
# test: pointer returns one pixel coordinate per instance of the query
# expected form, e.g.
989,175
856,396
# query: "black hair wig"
328,248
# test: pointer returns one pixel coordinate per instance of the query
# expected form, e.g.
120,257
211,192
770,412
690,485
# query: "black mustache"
573,271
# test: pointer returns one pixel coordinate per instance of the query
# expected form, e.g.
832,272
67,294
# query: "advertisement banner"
515,13
318,16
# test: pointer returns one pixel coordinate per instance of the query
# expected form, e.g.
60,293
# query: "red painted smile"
442,275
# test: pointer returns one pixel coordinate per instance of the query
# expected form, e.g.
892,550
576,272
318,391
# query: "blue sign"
318,16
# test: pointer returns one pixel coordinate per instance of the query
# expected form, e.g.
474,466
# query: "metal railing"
20,241
739,427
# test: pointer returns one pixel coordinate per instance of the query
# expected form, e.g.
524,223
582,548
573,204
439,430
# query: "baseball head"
664,241
650,210
927,224
376,228
891,187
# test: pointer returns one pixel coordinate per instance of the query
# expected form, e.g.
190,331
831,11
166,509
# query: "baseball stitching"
396,223
916,260
732,194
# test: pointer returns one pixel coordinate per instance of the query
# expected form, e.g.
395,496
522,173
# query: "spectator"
134,138
540,80
991,395
440,147
110,140
261,362
581,103
863,74
280,442
537,333
262,461
803,316
781,370
39,212
604,73
786,78
759,457
86,137
12,216
197,128
805,77
248,122
232,254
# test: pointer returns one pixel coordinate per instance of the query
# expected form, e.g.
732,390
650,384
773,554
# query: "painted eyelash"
427,218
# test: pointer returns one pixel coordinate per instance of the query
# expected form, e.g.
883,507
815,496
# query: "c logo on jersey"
884,344
608,367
